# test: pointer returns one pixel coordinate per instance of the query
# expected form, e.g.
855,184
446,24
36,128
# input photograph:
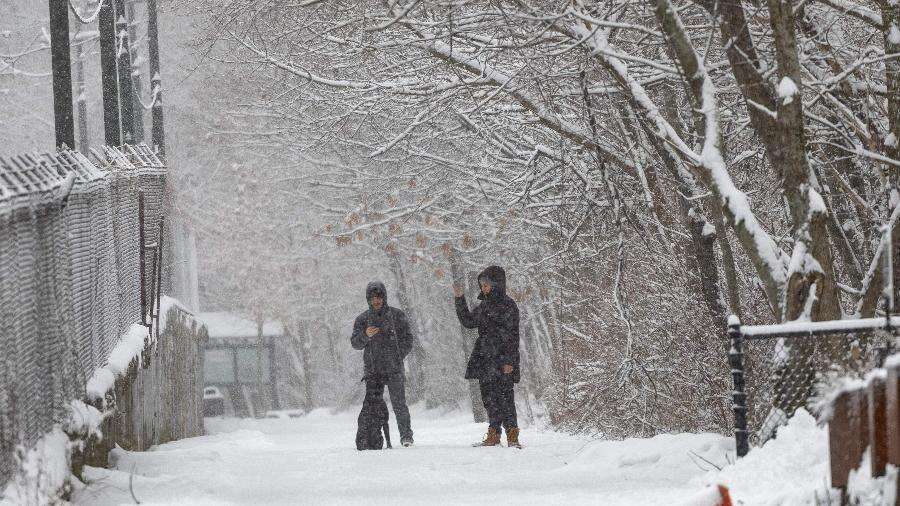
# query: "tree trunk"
890,13
809,217
457,274
417,362
305,336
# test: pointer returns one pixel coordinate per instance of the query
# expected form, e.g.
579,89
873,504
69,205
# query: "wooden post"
848,434
859,425
877,426
838,456
892,419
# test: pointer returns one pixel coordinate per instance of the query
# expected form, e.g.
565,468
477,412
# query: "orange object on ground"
726,497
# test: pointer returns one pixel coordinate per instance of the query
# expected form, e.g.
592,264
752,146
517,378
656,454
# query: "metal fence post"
738,396
142,262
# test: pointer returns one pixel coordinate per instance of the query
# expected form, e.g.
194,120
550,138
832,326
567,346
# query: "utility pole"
158,135
62,74
123,57
136,77
112,122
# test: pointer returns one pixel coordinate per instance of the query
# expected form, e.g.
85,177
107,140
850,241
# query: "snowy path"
311,460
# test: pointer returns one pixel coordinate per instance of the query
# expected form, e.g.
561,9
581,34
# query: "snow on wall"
127,349
165,304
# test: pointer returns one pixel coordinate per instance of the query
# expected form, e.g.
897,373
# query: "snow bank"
678,456
127,349
866,490
43,472
789,470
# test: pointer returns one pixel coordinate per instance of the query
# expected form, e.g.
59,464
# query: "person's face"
377,302
485,287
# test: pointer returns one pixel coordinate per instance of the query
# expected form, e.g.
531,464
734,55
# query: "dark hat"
496,276
376,288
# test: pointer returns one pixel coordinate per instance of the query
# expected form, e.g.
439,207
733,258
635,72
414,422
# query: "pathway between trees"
312,460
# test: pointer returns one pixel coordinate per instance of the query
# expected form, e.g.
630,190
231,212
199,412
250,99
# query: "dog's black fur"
372,425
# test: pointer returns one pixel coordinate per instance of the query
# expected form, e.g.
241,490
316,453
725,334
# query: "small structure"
240,361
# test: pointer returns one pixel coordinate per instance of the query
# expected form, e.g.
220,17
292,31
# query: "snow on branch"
857,11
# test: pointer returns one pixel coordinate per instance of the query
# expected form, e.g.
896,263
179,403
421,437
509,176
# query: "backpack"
371,424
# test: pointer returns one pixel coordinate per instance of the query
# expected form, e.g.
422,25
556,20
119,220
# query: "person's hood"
376,288
496,276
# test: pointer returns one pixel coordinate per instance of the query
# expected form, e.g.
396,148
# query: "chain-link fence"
70,277
778,369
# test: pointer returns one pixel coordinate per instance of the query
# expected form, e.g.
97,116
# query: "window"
218,366
251,360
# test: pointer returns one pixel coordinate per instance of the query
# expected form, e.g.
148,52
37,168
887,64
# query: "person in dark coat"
495,357
383,333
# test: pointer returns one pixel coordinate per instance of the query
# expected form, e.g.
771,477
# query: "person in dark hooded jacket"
383,333
495,356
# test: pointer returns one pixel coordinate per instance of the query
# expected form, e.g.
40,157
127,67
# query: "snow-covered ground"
312,460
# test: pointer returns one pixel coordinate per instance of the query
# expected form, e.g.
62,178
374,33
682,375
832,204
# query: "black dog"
371,424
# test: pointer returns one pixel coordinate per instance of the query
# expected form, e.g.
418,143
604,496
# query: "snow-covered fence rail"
865,415
71,285
777,369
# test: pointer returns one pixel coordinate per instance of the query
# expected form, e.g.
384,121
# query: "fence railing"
81,242
778,369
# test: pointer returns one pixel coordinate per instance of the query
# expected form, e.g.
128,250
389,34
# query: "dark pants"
499,402
397,392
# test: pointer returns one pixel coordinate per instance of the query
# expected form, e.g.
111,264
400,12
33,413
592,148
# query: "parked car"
213,402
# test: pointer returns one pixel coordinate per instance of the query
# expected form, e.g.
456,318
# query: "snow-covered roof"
222,325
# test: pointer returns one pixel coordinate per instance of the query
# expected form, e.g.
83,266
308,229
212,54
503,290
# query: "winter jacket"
497,321
383,352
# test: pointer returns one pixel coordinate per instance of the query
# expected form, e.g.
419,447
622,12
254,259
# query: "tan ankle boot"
512,437
492,438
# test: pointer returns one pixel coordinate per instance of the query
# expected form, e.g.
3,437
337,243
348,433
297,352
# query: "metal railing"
778,369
